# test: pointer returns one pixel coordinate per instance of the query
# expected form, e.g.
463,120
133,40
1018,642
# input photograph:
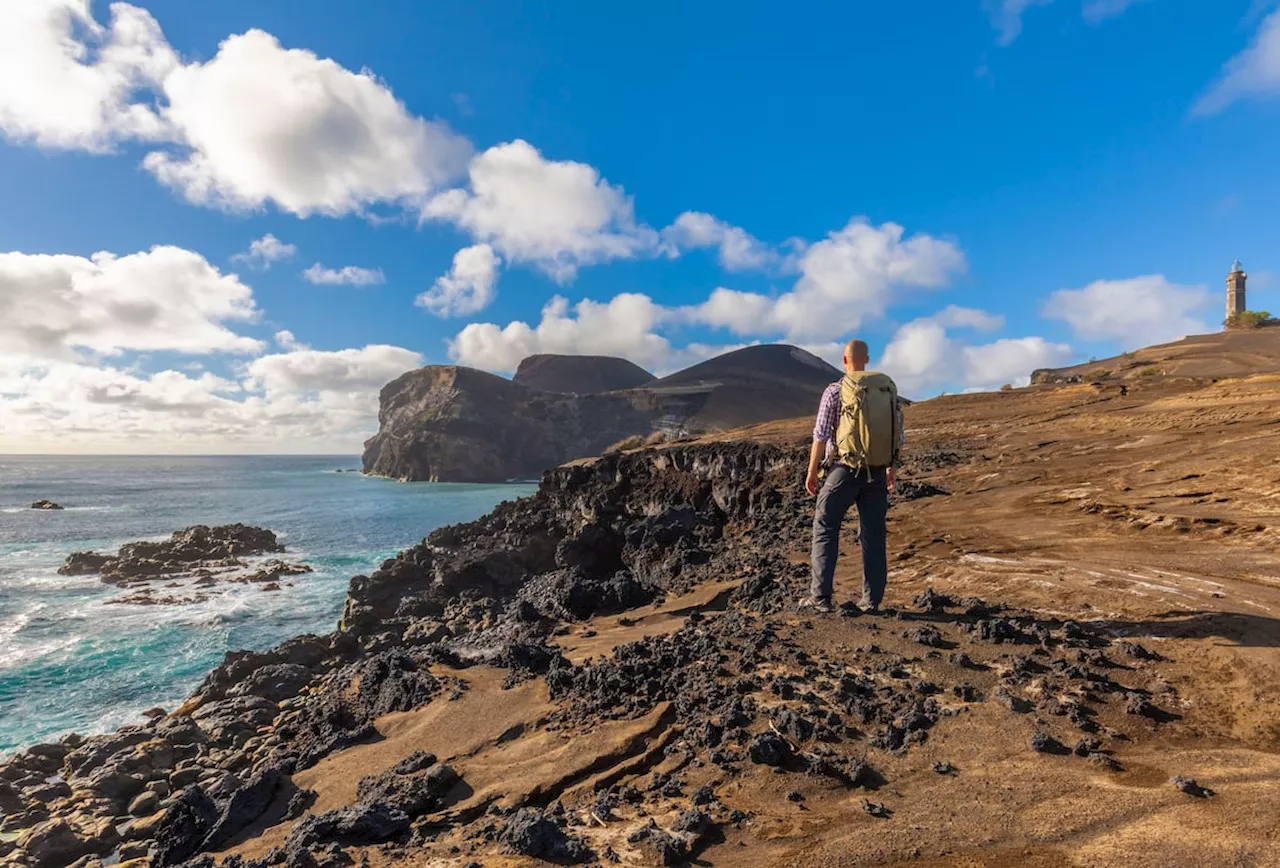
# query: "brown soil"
1151,516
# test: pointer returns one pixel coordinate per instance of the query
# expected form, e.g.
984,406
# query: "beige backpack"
867,434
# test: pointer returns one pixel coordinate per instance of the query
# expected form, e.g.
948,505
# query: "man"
857,436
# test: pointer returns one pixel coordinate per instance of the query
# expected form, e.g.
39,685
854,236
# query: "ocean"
71,662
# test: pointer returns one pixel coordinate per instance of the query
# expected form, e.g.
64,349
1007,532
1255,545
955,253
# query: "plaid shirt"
824,429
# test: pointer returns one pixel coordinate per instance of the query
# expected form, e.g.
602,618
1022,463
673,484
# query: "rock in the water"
45,504
180,555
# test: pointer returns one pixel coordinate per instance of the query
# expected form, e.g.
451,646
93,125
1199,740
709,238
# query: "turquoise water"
70,662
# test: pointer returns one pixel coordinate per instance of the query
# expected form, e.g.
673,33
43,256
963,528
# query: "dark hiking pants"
845,488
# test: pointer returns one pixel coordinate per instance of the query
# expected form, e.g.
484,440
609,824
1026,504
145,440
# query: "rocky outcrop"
582,375
446,423
736,689
45,504
193,551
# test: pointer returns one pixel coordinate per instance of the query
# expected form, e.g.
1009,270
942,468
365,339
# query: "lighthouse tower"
1235,290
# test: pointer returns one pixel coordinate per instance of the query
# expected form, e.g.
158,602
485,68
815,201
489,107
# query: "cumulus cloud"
264,251
348,275
1254,73
1006,17
257,124
286,341
67,81
738,249
556,215
623,326
848,277
468,287
167,298
1136,312
310,372
924,357
261,123
301,400
1097,11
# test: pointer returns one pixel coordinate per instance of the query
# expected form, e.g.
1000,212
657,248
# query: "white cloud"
78,334
167,298
66,81
261,123
556,215
300,401
625,327
468,287
1252,74
286,341
305,372
264,251
954,317
1010,360
1136,312
850,276
924,358
258,124
1006,16
1097,11
738,249
348,275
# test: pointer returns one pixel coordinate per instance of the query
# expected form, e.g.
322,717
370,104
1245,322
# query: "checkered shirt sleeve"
824,429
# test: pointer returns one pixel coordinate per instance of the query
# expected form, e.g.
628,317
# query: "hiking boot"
869,608
817,605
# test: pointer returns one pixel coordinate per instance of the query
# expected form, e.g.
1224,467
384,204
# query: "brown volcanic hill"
1086,606
583,375
1234,353
447,423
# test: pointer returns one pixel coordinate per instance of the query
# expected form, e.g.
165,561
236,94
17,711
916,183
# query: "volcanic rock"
529,832
354,826
180,555
45,504
448,423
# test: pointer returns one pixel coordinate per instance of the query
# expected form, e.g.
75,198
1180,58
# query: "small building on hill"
1235,290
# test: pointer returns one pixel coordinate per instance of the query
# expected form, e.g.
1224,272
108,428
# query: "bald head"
856,355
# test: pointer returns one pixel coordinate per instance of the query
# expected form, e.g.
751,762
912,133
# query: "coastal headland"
1081,666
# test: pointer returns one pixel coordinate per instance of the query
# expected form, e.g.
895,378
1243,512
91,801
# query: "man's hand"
811,482
888,478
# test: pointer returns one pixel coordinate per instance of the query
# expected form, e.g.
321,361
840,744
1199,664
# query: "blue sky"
977,187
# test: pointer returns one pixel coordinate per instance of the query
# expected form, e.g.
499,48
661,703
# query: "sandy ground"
1152,515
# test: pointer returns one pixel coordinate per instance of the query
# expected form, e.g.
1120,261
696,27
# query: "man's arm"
817,452
824,430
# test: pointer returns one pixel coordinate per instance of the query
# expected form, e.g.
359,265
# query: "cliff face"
454,424
446,423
